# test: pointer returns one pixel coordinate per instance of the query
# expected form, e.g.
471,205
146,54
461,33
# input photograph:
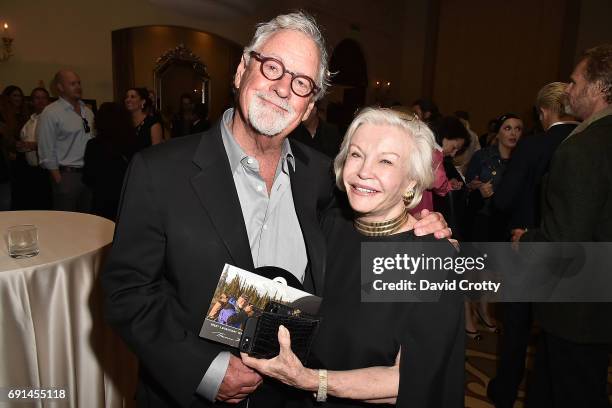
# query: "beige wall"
70,33
594,27
493,58
414,29
76,34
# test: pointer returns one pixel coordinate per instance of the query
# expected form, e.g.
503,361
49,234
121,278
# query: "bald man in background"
64,128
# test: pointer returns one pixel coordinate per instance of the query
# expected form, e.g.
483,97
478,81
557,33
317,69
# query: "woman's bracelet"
321,395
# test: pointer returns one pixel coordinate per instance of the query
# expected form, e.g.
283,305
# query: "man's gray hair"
420,168
599,68
301,22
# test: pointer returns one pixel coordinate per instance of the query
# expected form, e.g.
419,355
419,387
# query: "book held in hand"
266,298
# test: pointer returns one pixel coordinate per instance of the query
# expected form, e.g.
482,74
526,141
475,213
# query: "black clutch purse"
260,335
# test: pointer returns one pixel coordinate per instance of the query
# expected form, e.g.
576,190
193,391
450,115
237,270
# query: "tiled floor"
480,368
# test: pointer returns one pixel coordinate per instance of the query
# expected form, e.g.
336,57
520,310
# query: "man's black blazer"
519,193
179,222
577,207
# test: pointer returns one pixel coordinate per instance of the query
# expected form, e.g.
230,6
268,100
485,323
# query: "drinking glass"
23,241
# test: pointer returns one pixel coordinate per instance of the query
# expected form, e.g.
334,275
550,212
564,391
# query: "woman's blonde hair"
421,139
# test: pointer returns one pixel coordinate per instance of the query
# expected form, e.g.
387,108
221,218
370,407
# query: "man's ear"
308,110
596,89
541,113
240,71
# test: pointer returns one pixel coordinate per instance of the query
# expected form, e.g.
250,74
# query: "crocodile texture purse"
260,336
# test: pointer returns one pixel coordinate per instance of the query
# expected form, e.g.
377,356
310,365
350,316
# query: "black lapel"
214,186
305,208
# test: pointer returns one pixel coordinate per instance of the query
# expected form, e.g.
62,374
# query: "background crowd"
93,154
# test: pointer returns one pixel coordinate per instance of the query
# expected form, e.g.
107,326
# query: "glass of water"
23,241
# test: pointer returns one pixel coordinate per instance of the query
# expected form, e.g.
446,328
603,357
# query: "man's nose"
282,86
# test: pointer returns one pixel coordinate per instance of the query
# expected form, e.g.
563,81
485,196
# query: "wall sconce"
379,84
7,43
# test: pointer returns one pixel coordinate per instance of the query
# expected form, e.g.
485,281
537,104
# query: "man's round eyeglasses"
273,69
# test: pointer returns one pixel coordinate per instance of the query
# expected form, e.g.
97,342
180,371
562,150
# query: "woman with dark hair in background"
451,137
147,126
107,157
485,173
13,112
13,115
454,139
427,111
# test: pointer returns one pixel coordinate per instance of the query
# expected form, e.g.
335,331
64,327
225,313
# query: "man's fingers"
234,401
432,223
444,233
250,361
239,380
250,378
246,384
250,389
424,213
242,393
427,217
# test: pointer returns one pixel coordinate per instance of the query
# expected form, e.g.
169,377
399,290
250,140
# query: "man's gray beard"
266,120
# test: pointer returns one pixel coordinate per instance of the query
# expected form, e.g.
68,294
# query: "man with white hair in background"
240,194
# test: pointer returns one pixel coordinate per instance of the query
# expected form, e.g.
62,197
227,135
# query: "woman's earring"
408,197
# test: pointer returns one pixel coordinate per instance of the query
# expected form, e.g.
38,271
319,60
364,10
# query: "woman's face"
40,100
16,98
510,133
450,147
133,101
375,171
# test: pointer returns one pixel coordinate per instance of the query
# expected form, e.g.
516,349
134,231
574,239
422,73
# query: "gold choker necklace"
379,229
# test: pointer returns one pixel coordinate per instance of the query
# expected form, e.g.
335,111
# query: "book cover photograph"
241,294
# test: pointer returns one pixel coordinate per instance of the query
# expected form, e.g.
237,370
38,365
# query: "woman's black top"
487,223
355,334
143,132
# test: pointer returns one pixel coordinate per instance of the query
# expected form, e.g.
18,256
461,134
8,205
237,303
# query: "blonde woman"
409,354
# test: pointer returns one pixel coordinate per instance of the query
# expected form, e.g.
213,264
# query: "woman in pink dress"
451,138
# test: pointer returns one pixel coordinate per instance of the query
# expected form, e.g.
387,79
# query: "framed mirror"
179,71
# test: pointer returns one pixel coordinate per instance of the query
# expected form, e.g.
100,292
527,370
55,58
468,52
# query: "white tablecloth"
52,331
